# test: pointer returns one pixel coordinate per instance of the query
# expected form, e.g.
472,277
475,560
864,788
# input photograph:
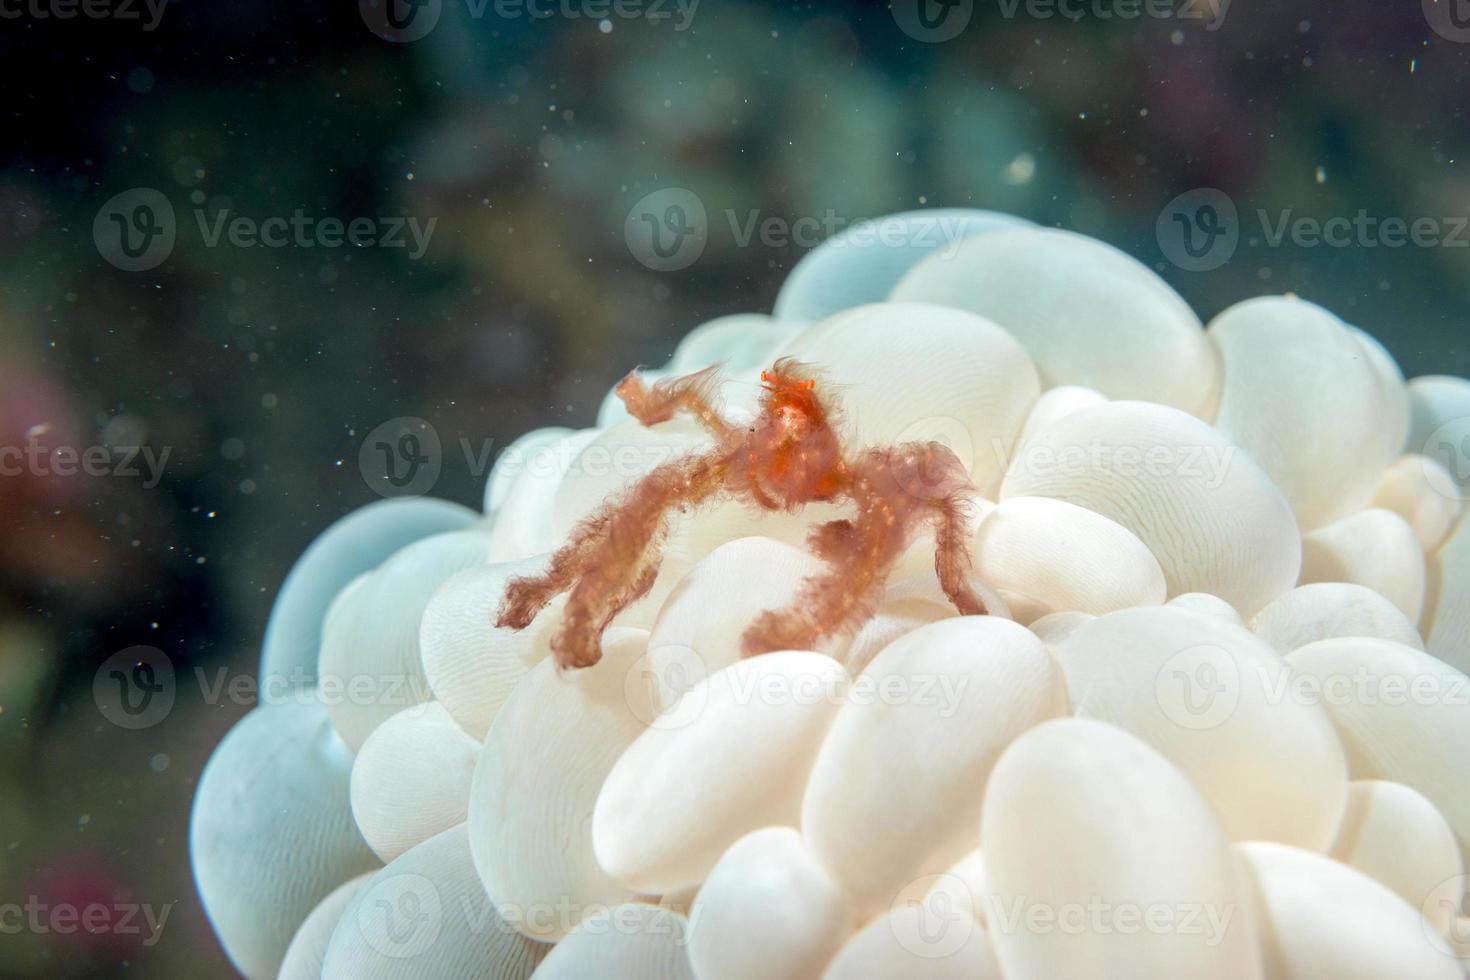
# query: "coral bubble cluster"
1213,723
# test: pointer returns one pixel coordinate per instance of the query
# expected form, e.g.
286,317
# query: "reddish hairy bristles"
790,456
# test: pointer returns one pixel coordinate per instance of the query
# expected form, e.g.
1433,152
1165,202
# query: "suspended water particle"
1021,170
140,81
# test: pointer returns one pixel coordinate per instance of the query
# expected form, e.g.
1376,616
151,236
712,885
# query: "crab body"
788,457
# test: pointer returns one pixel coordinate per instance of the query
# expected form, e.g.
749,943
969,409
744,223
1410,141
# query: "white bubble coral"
1197,734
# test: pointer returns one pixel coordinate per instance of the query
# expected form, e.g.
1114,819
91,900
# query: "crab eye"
808,385
766,376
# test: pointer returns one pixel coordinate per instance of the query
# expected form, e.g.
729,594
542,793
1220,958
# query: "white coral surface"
1216,724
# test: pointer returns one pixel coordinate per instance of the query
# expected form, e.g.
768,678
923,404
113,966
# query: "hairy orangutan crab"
789,456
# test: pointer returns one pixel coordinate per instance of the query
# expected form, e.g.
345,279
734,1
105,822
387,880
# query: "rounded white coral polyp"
1087,314
1216,723
1310,402
1210,515
916,372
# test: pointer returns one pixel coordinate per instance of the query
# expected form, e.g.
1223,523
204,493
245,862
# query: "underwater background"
513,180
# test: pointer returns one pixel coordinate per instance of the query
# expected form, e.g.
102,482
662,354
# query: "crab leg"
693,393
893,489
526,597
952,558
613,558
859,554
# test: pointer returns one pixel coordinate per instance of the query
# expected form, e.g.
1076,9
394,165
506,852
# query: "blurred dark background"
260,369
